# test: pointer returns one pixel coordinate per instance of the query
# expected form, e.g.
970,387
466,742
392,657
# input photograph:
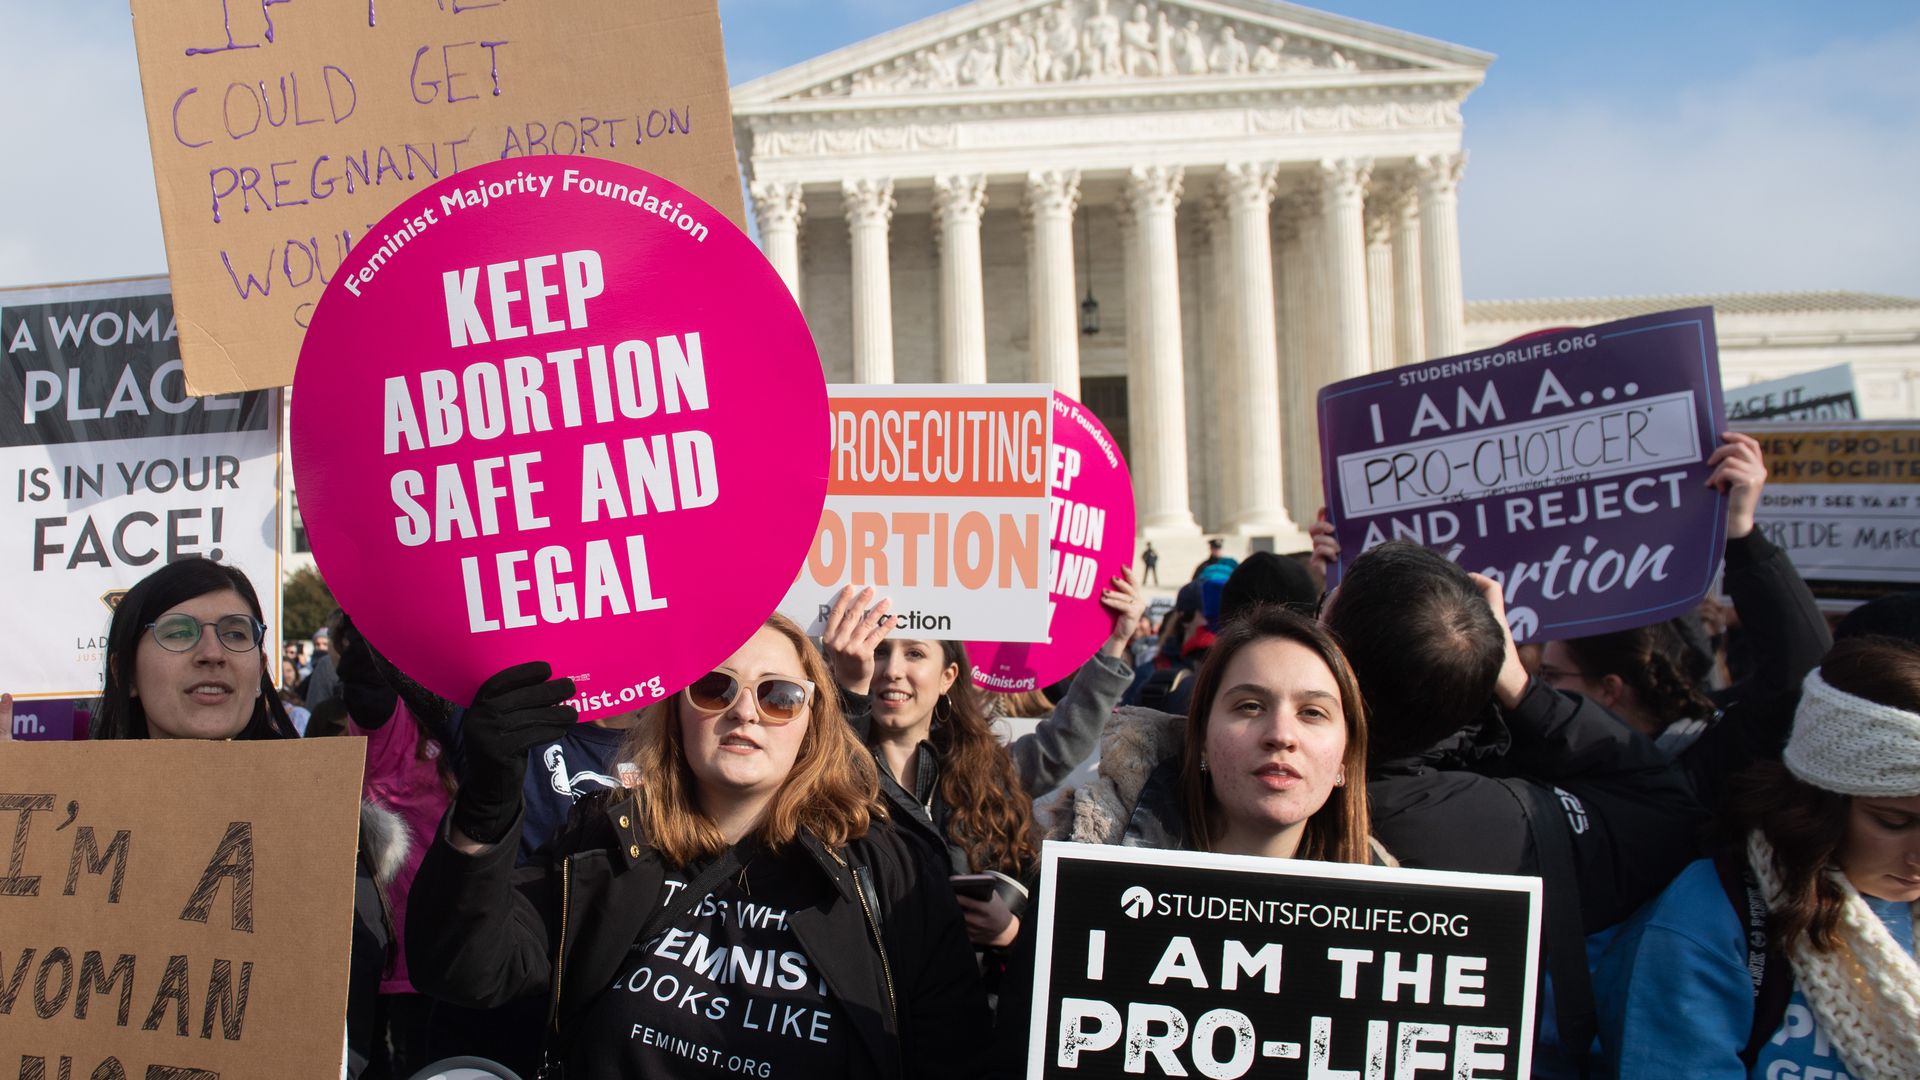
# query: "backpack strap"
1562,925
1766,965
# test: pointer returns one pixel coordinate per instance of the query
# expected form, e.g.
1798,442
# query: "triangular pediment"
998,46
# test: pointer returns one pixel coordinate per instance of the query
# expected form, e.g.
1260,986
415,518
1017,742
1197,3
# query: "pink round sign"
1091,540
559,409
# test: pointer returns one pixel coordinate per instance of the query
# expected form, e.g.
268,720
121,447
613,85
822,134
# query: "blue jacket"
1675,998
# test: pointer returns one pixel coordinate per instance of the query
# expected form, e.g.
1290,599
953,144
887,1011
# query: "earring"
1340,778
1203,763
936,710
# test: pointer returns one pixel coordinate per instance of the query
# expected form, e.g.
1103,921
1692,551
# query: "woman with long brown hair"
1792,953
1269,760
942,769
743,908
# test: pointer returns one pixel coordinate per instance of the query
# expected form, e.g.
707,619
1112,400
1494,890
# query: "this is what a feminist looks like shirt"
725,991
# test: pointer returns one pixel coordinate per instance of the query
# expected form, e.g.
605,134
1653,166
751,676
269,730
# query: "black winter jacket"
1788,637
1629,809
481,934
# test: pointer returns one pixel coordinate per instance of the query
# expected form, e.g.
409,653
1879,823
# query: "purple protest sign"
1569,466
48,720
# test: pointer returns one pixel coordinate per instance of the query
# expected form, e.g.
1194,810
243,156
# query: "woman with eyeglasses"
186,660
744,908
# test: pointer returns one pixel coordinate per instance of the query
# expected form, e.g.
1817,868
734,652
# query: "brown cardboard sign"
281,132
180,909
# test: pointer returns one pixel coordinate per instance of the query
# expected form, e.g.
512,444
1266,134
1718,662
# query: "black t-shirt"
725,991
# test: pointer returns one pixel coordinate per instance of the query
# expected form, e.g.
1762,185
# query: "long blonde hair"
832,792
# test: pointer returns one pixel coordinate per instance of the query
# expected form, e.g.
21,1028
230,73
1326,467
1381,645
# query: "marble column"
1379,229
869,210
957,204
779,208
1443,303
1133,320
1300,272
1409,333
1219,344
1159,426
1053,324
1257,506
1343,185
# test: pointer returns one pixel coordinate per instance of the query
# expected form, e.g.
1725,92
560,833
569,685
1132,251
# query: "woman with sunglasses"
742,909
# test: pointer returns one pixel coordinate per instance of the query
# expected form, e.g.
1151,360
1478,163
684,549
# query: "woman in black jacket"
743,909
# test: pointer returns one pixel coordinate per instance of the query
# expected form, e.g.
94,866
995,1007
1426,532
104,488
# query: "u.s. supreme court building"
1190,215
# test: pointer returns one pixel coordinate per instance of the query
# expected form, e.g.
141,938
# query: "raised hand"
513,712
853,632
1326,546
1128,603
1511,686
1739,473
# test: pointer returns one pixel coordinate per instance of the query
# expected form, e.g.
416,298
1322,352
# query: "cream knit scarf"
1865,991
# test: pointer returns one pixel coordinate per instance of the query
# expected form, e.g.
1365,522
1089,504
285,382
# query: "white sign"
1826,394
1843,500
112,470
937,498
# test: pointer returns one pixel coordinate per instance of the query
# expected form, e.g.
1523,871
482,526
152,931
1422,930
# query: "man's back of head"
1423,643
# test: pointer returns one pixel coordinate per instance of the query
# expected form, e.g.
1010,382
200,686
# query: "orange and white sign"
937,497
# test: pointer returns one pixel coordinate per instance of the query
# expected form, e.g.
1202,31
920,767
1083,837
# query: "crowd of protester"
1724,812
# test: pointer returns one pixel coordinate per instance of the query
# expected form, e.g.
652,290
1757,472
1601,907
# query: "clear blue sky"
1617,148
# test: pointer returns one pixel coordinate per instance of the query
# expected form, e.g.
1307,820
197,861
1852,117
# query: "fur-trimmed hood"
384,840
1137,744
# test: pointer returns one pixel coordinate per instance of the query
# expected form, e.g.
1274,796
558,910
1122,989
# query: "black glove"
513,712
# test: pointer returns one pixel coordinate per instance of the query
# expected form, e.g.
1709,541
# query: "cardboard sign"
1091,539
150,934
281,131
113,470
938,499
1826,394
568,412
1569,466
1169,963
1843,500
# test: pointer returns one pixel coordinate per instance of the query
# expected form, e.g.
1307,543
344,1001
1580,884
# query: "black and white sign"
1167,963
1827,394
113,469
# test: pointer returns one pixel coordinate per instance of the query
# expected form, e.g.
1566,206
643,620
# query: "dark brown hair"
833,791
1337,832
120,714
1650,660
1806,825
992,811
1422,641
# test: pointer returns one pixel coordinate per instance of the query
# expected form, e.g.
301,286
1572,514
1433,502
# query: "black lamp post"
1089,308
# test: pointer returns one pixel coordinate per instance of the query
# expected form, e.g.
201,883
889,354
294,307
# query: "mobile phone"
974,886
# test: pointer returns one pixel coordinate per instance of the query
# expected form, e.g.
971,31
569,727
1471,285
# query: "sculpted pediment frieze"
1091,41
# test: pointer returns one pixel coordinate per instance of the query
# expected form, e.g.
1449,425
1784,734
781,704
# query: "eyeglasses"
1554,674
180,633
781,700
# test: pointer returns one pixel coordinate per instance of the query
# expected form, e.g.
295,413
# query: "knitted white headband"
1852,746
